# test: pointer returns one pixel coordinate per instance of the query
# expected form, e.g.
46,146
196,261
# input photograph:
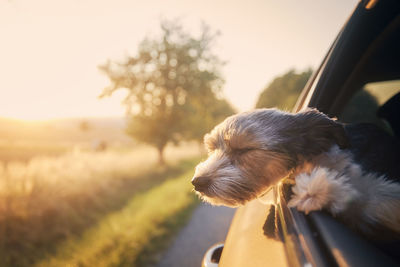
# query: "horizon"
39,120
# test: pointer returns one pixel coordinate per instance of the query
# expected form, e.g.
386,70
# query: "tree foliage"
174,86
284,90
206,113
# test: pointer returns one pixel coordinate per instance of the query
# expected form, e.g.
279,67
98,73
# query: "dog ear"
209,142
315,133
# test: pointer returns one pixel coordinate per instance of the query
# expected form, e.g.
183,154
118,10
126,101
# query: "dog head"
251,151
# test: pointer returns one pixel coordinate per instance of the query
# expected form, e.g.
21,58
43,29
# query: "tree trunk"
161,155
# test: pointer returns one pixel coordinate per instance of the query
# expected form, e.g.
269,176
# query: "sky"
50,49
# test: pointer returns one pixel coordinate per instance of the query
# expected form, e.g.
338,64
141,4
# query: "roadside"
208,225
132,235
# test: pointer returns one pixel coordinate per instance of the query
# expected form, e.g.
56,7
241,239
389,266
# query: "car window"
377,103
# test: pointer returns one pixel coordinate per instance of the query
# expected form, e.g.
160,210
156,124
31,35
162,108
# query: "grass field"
133,235
86,208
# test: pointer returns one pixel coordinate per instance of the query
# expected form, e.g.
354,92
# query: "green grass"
134,235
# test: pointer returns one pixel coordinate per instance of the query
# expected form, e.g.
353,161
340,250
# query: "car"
357,81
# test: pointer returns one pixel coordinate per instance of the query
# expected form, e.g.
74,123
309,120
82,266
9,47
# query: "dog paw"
321,189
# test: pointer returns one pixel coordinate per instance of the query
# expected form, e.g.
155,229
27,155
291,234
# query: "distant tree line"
284,90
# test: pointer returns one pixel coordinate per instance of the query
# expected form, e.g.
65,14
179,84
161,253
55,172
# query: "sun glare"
51,50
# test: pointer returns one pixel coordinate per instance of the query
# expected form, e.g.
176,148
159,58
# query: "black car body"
365,55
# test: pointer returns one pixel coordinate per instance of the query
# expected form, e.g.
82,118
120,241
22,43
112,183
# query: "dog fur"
252,151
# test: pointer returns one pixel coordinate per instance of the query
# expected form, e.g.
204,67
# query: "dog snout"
201,183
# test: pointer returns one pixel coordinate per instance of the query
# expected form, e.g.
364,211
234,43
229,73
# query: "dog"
250,152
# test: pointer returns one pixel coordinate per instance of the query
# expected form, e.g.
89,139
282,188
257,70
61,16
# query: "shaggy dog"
250,152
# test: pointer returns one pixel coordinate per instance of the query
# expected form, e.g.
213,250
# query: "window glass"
377,103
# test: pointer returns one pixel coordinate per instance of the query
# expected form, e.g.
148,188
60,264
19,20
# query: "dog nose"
200,183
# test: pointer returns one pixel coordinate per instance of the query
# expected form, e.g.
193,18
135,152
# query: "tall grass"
129,236
48,200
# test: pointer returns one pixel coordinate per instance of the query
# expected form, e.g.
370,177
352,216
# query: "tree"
170,82
204,119
284,90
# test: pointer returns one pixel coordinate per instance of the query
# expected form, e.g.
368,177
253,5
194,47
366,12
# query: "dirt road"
207,226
